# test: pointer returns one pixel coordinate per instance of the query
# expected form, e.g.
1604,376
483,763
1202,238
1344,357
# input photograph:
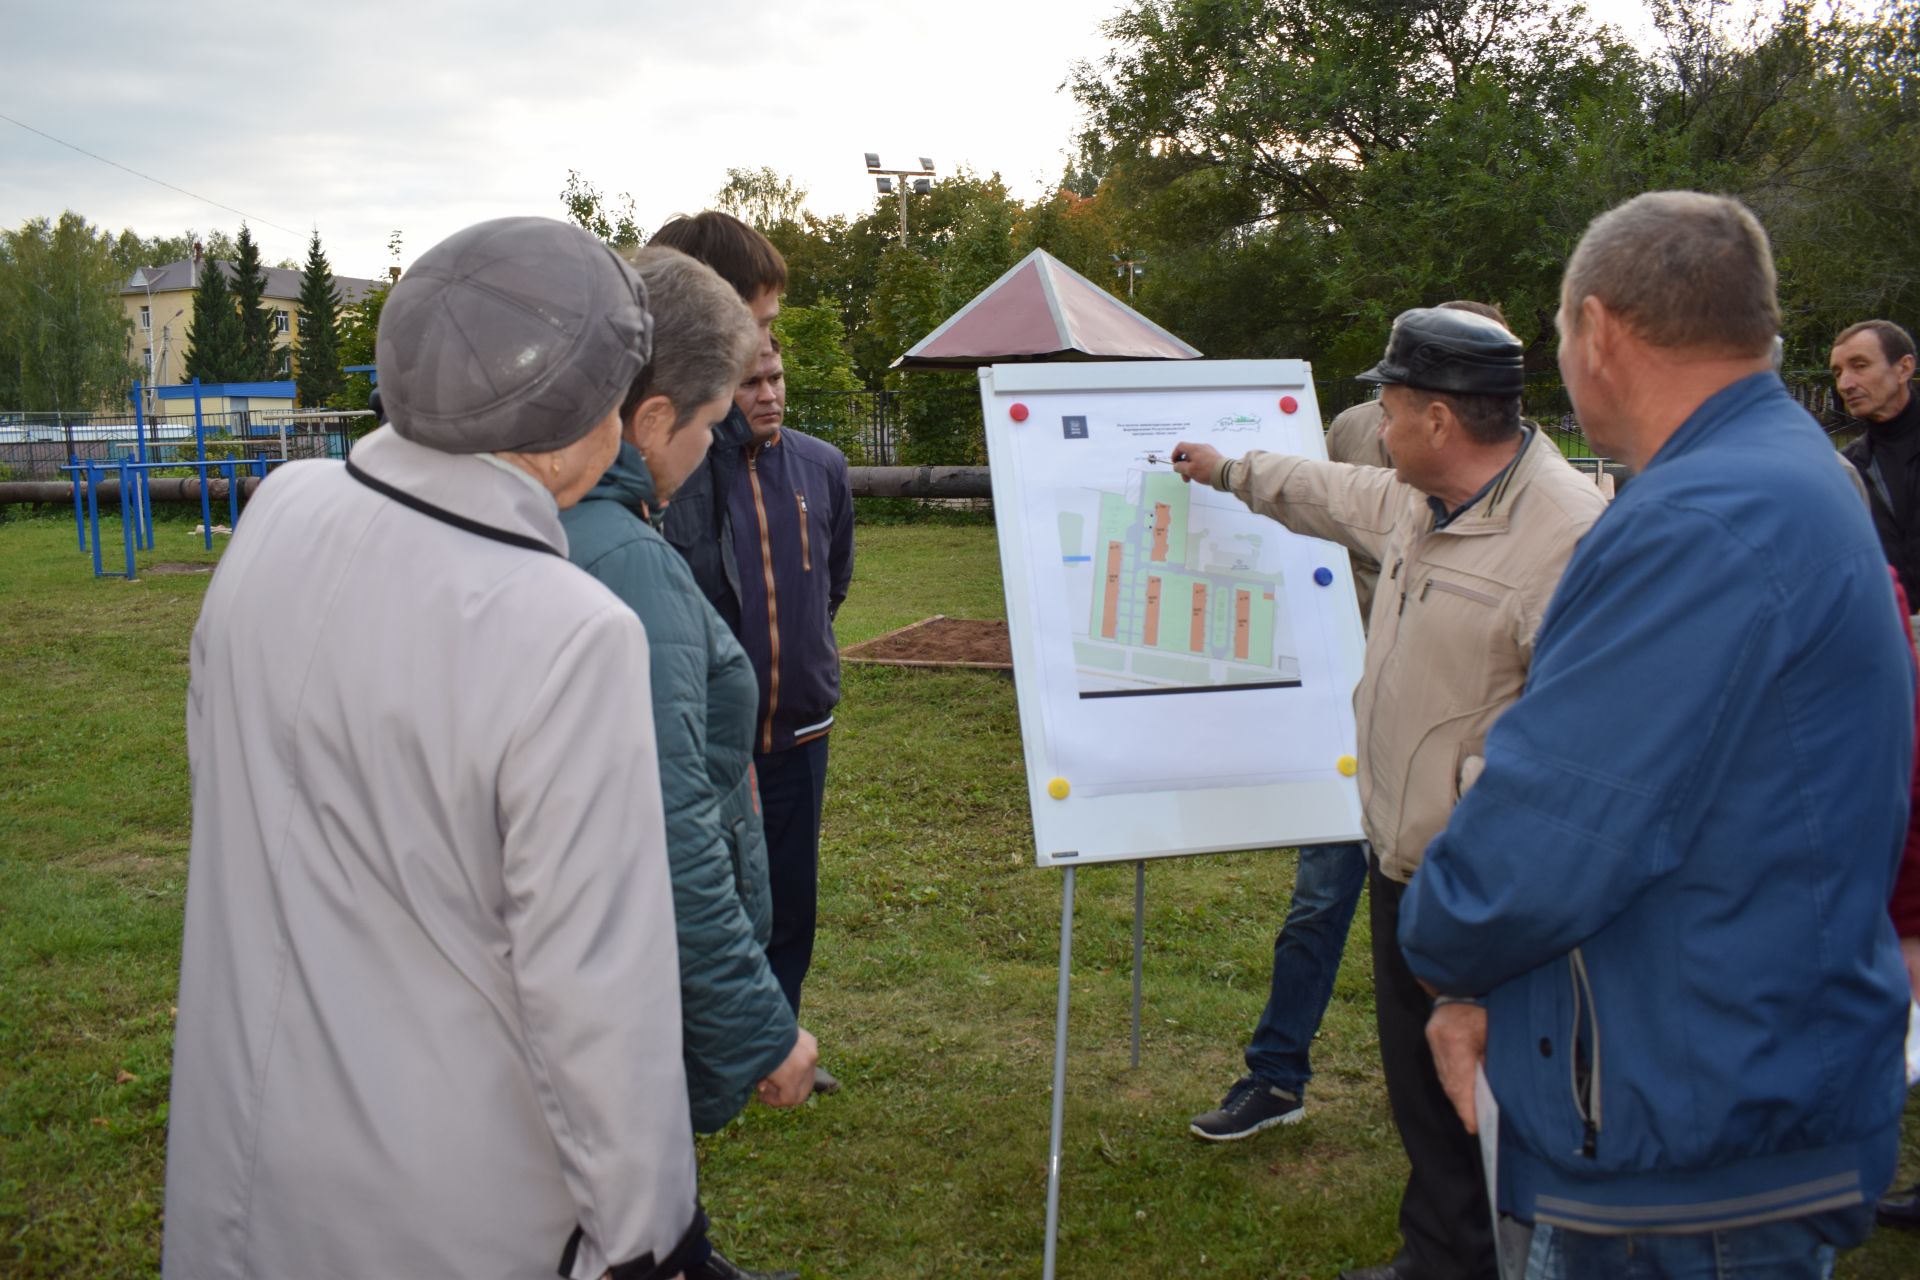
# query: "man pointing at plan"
1472,528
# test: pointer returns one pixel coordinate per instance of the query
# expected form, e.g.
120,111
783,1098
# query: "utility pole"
883,181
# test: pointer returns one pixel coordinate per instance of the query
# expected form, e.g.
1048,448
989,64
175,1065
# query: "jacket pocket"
1459,589
806,535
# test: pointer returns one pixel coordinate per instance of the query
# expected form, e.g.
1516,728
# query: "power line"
149,177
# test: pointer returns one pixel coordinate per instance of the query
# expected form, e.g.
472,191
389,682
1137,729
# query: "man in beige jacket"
1472,529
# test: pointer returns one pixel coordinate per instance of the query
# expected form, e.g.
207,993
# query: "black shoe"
1900,1209
1248,1108
1401,1268
717,1267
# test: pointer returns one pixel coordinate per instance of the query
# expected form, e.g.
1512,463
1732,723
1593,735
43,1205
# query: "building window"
146,319
280,319
149,362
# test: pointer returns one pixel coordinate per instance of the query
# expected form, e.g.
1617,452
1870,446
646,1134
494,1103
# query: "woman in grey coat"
739,1033
429,1017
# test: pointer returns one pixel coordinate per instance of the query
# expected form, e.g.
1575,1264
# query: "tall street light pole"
883,181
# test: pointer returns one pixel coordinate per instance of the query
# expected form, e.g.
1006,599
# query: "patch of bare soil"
939,641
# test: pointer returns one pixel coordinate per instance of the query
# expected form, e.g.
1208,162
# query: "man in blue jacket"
1660,915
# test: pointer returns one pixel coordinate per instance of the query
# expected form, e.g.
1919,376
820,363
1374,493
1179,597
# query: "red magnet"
1288,404
1018,413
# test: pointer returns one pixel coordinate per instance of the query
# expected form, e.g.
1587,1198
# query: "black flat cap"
1441,349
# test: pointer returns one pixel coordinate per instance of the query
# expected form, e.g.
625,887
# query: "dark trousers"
793,789
1444,1220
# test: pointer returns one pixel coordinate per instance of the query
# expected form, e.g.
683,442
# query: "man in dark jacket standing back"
1872,365
767,527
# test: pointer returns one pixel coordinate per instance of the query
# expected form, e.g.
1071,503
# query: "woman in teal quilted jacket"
739,1034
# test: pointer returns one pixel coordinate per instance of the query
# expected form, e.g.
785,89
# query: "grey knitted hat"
518,334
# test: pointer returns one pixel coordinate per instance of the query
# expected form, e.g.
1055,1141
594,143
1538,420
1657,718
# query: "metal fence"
34,446
871,427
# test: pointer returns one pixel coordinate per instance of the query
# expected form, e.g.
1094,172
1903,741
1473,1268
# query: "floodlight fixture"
921,183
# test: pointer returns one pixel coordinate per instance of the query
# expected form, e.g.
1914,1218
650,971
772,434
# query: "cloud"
362,118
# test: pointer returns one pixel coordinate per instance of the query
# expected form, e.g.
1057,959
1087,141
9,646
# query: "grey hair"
1685,271
704,338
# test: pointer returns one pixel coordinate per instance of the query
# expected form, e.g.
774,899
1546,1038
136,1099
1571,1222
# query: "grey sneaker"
1248,1108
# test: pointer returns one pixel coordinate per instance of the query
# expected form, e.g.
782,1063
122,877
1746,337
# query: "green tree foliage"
259,360
761,198
609,217
1301,170
318,376
65,341
820,376
214,352
132,250
359,329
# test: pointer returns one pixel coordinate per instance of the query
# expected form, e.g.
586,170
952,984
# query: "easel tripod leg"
1059,1075
1139,946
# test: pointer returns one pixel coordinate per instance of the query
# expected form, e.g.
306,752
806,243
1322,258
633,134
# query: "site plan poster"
1166,638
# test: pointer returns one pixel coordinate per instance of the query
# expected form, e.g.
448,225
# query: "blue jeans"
1306,956
1791,1250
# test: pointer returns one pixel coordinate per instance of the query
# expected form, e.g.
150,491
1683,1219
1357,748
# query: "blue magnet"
1323,576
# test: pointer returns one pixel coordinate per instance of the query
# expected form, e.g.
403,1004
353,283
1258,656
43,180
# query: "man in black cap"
1472,528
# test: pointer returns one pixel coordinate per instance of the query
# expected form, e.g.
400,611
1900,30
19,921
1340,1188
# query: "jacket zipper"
1586,1094
773,601
806,542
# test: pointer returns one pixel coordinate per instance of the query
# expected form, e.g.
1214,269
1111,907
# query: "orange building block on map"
1110,607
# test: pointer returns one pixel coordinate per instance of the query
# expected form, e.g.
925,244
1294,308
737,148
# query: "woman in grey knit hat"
429,1022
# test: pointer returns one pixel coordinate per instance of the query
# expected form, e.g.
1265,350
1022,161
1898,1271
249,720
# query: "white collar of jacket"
478,489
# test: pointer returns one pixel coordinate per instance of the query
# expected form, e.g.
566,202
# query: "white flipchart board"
1185,667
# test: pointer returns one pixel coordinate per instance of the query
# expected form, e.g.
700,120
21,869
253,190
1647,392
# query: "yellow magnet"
1347,766
1058,788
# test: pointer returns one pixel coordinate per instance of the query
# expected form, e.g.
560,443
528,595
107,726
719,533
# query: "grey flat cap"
518,334
1442,349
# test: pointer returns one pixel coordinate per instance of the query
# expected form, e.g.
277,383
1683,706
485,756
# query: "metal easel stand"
1060,1040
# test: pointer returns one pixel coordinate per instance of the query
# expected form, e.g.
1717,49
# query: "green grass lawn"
932,991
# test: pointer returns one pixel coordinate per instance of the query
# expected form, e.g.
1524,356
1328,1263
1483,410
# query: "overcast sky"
427,115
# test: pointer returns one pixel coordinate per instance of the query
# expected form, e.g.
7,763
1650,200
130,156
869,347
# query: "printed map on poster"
1183,587
1184,666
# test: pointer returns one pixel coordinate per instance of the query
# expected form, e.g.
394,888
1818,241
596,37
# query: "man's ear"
1600,331
652,418
1904,367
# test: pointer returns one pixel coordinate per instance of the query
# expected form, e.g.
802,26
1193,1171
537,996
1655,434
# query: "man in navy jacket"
766,525
1669,884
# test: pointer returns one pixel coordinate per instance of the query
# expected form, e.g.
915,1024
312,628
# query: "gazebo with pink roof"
1043,309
